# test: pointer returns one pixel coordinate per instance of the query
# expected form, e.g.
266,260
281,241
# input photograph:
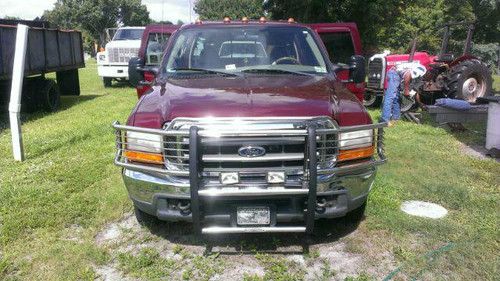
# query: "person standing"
399,78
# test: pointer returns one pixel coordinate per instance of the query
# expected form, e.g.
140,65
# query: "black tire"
51,96
144,218
356,216
407,103
469,80
106,81
371,99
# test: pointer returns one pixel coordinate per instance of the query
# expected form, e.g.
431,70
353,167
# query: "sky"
173,10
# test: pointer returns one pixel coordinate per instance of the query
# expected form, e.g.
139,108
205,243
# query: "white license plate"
253,216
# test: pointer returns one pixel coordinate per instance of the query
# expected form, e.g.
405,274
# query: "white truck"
112,63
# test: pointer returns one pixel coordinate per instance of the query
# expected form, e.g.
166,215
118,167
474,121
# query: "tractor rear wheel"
469,80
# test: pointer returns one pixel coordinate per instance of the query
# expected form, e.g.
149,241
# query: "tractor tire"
371,99
50,96
107,82
469,80
407,103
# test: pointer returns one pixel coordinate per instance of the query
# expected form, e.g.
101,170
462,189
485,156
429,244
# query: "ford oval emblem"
251,151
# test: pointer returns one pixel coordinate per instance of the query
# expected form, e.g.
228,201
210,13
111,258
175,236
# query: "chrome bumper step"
257,229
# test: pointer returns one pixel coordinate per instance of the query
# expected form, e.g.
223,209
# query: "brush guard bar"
198,194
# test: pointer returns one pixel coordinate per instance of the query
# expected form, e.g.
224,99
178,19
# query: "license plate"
253,216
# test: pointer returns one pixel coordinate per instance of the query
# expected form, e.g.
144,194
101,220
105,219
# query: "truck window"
128,34
155,46
339,46
238,49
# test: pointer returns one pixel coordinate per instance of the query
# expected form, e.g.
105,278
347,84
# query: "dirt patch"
110,273
332,258
476,151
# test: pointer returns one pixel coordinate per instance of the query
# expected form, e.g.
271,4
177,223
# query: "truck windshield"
128,34
251,49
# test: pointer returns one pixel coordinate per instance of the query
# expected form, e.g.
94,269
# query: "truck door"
154,42
342,41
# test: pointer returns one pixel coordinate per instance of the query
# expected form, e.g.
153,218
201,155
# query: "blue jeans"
390,108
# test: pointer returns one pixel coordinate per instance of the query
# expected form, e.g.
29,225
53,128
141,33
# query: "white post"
16,90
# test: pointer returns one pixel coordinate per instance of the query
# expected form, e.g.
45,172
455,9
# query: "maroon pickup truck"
248,129
341,40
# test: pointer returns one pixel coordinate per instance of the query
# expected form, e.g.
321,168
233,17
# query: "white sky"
173,10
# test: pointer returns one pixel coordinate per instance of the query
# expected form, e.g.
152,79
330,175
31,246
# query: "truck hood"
248,96
124,44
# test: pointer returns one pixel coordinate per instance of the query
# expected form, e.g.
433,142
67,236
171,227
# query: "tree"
94,16
393,23
235,9
370,16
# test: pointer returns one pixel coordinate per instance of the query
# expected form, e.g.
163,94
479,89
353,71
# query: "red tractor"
465,77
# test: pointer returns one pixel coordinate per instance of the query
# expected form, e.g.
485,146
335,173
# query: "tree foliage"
235,9
94,16
392,24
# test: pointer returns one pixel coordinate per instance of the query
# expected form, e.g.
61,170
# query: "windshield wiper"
275,70
202,70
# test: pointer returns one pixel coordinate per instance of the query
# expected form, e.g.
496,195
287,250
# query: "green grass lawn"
53,204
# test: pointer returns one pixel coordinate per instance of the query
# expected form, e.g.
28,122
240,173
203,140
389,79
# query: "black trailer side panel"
49,50
7,41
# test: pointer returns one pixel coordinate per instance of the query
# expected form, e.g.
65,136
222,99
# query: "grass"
53,204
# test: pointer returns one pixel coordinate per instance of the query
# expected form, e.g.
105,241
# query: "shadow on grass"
326,231
66,103
120,84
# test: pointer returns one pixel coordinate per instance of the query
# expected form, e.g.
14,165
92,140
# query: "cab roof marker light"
244,19
227,19
291,20
262,20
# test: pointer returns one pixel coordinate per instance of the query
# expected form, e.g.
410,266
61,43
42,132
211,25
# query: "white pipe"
16,91
493,127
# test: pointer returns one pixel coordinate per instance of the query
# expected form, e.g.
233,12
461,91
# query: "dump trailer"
48,50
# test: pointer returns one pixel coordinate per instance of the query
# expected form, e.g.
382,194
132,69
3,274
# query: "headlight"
355,145
144,142
355,139
143,147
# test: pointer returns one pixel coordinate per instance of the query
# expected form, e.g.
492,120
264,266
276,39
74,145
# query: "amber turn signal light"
357,153
152,158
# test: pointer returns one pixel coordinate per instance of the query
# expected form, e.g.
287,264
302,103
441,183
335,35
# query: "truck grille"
121,55
375,73
220,154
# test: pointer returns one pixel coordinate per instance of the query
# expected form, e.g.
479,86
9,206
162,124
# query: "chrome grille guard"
208,135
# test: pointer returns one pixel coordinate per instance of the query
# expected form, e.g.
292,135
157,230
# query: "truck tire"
469,80
143,218
106,81
356,216
51,96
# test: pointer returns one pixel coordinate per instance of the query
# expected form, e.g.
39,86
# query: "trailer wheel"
469,80
51,97
107,82
371,99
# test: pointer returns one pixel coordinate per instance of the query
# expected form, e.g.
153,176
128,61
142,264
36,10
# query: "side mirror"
134,75
357,70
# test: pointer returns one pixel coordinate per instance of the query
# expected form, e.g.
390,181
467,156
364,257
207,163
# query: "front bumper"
177,196
164,197
113,71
